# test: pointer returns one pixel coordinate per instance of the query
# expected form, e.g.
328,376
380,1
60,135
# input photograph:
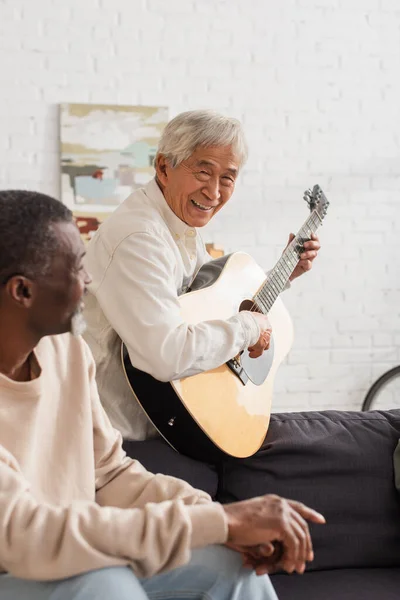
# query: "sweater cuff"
209,524
250,327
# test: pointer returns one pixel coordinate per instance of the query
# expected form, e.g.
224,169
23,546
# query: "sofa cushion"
158,457
340,584
341,464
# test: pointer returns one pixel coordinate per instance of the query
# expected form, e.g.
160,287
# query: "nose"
211,189
87,278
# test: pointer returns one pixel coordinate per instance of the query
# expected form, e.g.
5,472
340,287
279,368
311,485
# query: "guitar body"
225,411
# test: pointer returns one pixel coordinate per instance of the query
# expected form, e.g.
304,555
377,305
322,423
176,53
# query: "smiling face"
200,186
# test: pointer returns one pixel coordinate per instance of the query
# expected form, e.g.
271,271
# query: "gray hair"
195,128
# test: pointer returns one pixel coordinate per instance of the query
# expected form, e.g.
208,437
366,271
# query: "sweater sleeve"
149,522
138,296
42,542
121,481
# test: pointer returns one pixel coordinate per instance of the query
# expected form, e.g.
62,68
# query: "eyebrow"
207,163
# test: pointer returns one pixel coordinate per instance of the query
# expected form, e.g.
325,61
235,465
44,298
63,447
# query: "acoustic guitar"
226,411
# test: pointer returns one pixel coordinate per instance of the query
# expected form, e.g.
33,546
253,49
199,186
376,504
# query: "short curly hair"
27,242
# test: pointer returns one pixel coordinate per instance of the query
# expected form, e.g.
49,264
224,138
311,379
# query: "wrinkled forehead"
223,157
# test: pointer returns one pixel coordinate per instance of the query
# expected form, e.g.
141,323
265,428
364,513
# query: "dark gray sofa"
341,464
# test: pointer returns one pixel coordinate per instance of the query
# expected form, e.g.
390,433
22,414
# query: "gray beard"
78,324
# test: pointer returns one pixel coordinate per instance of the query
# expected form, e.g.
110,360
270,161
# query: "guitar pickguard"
254,369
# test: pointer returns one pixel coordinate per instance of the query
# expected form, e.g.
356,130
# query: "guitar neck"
279,276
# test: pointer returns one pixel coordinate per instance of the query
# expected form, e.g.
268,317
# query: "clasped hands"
271,533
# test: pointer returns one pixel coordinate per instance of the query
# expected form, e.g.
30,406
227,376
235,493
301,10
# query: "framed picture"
107,152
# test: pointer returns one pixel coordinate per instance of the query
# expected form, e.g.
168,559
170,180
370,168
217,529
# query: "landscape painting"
107,152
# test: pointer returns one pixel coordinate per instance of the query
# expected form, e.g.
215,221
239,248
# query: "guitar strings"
289,259
267,298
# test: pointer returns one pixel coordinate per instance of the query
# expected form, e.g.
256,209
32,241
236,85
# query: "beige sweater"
70,499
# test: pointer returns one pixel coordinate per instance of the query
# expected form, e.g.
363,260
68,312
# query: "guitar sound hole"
249,305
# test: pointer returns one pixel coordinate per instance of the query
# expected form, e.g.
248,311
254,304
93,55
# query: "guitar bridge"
236,367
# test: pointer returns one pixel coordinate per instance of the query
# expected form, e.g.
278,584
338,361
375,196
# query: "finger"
268,569
262,550
257,349
313,239
312,245
307,513
302,523
306,265
255,563
310,254
261,566
264,570
302,547
254,352
266,343
266,332
291,237
261,571
290,550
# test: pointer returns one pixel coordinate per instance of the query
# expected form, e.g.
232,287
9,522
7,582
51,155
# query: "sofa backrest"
341,464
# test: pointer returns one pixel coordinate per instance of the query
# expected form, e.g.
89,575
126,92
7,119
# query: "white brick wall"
317,86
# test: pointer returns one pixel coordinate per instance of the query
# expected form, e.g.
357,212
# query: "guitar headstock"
317,200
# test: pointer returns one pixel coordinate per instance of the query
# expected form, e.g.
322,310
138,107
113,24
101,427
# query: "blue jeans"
214,573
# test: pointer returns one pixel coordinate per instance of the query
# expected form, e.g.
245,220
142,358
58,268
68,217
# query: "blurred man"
75,512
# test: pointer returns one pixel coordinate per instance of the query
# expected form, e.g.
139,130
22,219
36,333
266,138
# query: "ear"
162,167
21,290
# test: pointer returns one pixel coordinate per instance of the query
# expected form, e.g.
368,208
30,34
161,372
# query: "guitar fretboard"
279,276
